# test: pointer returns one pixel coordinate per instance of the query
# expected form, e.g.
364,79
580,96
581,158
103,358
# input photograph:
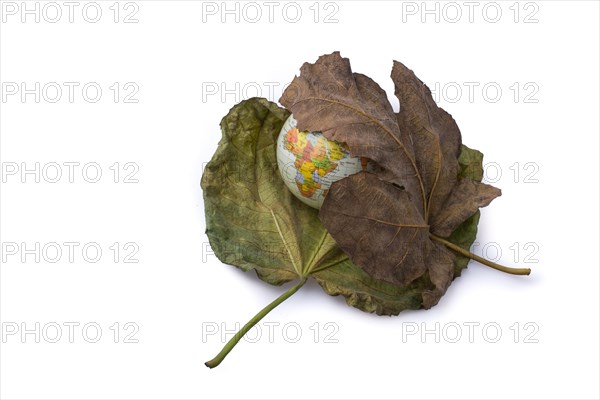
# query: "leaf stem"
261,314
458,249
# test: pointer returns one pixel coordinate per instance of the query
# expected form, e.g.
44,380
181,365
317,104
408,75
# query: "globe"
309,163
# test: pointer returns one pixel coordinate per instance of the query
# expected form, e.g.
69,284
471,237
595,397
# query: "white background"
177,292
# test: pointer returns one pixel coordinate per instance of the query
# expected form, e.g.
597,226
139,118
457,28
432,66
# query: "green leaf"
369,294
252,219
471,164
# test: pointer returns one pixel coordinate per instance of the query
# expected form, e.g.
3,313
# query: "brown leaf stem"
458,249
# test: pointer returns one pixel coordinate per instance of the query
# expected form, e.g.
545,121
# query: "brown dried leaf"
385,229
362,204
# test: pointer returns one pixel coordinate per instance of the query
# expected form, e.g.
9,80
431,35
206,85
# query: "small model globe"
309,163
